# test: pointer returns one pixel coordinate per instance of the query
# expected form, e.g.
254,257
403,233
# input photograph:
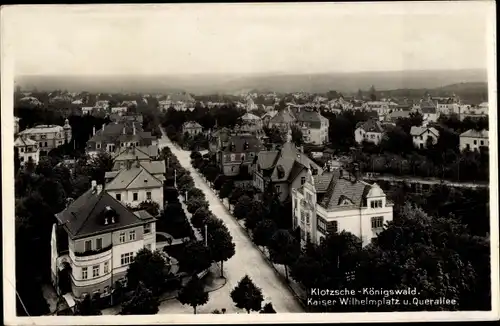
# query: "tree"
193,204
17,161
264,230
257,213
435,255
151,207
226,189
242,207
297,137
219,183
211,172
150,268
283,249
268,309
221,246
99,165
236,194
196,257
247,296
195,193
200,217
193,293
143,302
87,307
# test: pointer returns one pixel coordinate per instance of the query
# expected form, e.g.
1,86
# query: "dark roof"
343,187
309,116
112,131
236,144
84,216
283,116
371,125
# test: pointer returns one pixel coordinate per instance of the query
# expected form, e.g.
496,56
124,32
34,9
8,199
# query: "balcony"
88,253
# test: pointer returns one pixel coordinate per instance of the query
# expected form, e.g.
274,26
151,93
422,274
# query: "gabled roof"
137,152
399,114
239,141
371,125
22,141
113,131
282,116
417,131
290,161
342,187
154,167
475,134
191,125
136,177
313,118
266,159
250,116
84,216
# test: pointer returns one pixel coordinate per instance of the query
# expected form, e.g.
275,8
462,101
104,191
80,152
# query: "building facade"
48,137
94,240
27,149
421,136
370,131
473,140
193,128
238,153
335,202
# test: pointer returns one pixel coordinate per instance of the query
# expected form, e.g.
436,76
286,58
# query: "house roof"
371,125
22,141
282,116
154,167
191,124
180,97
239,141
399,114
475,134
85,215
417,131
113,131
288,159
311,117
140,152
250,116
42,129
342,187
136,177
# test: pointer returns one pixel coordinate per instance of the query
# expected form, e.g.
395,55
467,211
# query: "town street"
247,259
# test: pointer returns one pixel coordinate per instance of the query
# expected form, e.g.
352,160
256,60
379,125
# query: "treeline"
41,191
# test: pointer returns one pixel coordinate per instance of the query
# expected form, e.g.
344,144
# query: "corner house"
94,240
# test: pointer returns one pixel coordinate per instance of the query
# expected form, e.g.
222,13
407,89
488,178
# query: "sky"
244,39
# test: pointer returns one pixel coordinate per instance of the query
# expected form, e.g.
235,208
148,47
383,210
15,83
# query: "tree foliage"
193,293
143,302
246,295
150,268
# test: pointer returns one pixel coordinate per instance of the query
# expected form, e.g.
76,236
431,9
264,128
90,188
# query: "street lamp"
175,178
206,235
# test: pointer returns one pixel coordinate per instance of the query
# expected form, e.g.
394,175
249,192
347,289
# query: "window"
148,195
302,216
309,196
95,271
98,145
233,157
334,226
98,243
122,237
376,203
118,197
147,228
127,258
242,157
84,273
22,149
321,225
22,158
88,245
41,144
482,142
302,180
377,222
475,142
278,190
135,196
131,235
106,267
308,218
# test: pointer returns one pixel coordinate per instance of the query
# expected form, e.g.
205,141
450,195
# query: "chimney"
99,189
129,164
137,163
93,131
